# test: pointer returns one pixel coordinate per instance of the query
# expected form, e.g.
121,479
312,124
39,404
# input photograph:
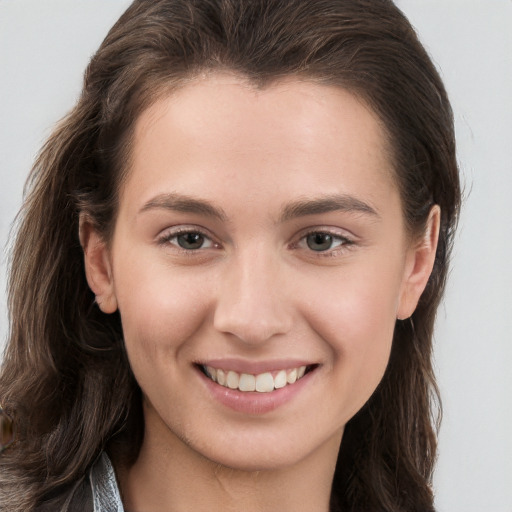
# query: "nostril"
252,326
251,304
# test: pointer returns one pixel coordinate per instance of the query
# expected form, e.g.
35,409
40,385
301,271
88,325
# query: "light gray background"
44,48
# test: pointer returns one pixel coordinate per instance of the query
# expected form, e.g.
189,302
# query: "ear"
419,264
98,267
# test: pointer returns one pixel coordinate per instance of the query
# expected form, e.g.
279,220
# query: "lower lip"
253,402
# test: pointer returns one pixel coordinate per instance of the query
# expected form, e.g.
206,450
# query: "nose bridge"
251,302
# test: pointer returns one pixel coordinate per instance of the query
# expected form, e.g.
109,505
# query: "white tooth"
212,372
280,380
300,372
232,380
264,382
221,377
292,376
247,382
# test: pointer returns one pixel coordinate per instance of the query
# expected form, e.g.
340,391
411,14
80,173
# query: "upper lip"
256,367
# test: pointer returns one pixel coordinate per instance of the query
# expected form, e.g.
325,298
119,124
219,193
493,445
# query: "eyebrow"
185,204
294,210
331,203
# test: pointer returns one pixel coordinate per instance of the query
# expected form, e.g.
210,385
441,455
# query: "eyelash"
167,237
343,241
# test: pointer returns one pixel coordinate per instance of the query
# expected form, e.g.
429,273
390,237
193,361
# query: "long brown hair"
66,381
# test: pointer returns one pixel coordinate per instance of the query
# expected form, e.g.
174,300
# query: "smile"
262,382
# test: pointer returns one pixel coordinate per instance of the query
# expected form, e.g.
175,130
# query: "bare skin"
196,483
259,232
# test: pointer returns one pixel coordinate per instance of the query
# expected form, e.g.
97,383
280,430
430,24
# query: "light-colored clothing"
105,491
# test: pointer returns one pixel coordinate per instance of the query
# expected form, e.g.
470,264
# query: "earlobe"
98,268
419,265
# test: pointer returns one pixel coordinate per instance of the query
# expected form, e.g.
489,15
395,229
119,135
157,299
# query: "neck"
171,476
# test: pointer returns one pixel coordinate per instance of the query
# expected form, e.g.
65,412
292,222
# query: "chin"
257,460
263,451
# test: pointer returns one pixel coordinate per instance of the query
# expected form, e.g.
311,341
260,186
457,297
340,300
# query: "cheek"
160,309
357,307
356,319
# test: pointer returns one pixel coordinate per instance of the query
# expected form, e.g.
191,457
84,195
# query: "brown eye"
319,241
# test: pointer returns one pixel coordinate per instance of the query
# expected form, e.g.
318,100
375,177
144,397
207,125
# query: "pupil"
319,241
190,240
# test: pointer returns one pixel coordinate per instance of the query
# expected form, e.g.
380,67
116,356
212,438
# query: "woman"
228,265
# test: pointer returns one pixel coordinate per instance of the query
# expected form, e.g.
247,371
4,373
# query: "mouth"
262,383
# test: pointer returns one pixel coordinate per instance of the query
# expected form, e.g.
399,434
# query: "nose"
252,302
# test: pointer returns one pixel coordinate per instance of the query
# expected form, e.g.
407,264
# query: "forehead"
293,133
302,109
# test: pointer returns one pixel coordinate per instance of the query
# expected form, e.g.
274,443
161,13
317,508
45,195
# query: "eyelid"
165,236
347,238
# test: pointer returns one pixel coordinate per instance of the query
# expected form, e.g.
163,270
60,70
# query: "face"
259,262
